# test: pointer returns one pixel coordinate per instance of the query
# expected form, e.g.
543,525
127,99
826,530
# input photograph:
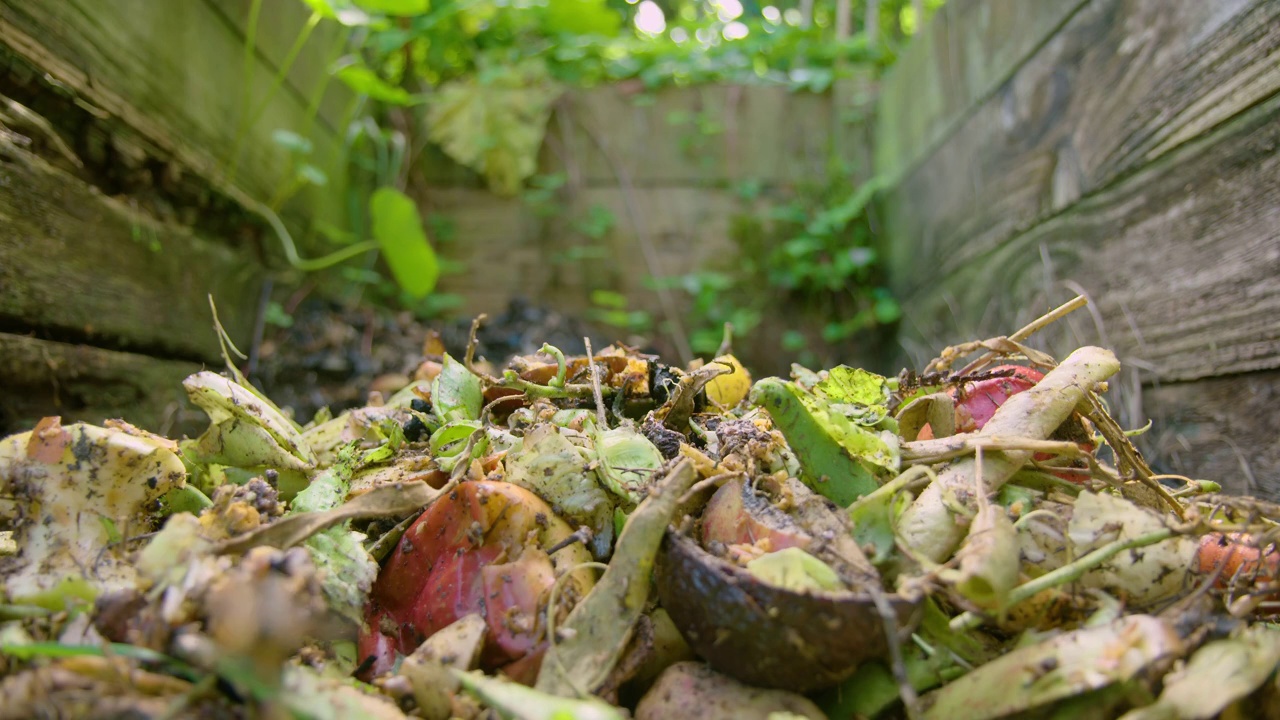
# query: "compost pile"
614,537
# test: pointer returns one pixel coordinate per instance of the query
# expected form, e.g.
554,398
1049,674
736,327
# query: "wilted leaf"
1233,668
383,501
496,126
404,244
549,465
1034,677
629,463
69,480
245,431
1144,576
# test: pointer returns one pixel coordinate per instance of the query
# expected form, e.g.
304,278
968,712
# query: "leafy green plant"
814,251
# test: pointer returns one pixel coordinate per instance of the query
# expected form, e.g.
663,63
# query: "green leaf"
609,299
292,142
323,8
313,175
398,230
840,460
397,8
456,393
795,569
853,385
363,80
581,17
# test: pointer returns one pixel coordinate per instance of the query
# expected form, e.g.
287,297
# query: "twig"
1030,329
469,358
595,384
907,691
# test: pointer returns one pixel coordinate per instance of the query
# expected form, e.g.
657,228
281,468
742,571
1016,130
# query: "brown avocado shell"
765,635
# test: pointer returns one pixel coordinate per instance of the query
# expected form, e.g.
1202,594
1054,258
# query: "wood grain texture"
1182,260
172,72
509,253
965,51
704,136
1221,429
1134,154
76,263
90,384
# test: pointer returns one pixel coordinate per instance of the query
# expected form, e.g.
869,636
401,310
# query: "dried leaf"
384,501
600,626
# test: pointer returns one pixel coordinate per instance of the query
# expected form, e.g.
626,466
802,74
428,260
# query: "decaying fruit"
482,549
976,402
761,632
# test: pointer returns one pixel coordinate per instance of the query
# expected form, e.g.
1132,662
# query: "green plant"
814,251
481,78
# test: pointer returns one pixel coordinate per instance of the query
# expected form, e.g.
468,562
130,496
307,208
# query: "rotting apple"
976,402
483,549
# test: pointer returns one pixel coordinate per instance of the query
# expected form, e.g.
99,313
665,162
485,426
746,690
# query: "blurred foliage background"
479,80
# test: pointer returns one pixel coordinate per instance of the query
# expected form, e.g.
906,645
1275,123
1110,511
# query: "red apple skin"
726,520
477,550
977,401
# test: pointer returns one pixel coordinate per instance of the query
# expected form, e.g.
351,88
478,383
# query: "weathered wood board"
1131,156
80,382
1103,98
707,136
172,73
1222,429
77,264
962,55
700,136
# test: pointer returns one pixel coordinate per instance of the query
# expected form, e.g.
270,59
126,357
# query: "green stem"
515,382
561,368
291,250
246,98
1065,574
276,82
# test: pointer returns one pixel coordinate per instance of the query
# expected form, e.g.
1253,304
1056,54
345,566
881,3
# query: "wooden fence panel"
1131,157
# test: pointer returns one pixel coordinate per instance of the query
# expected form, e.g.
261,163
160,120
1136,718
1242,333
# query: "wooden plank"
704,136
75,263
1182,258
1123,83
89,384
509,252
1222,429
171,71
965,51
